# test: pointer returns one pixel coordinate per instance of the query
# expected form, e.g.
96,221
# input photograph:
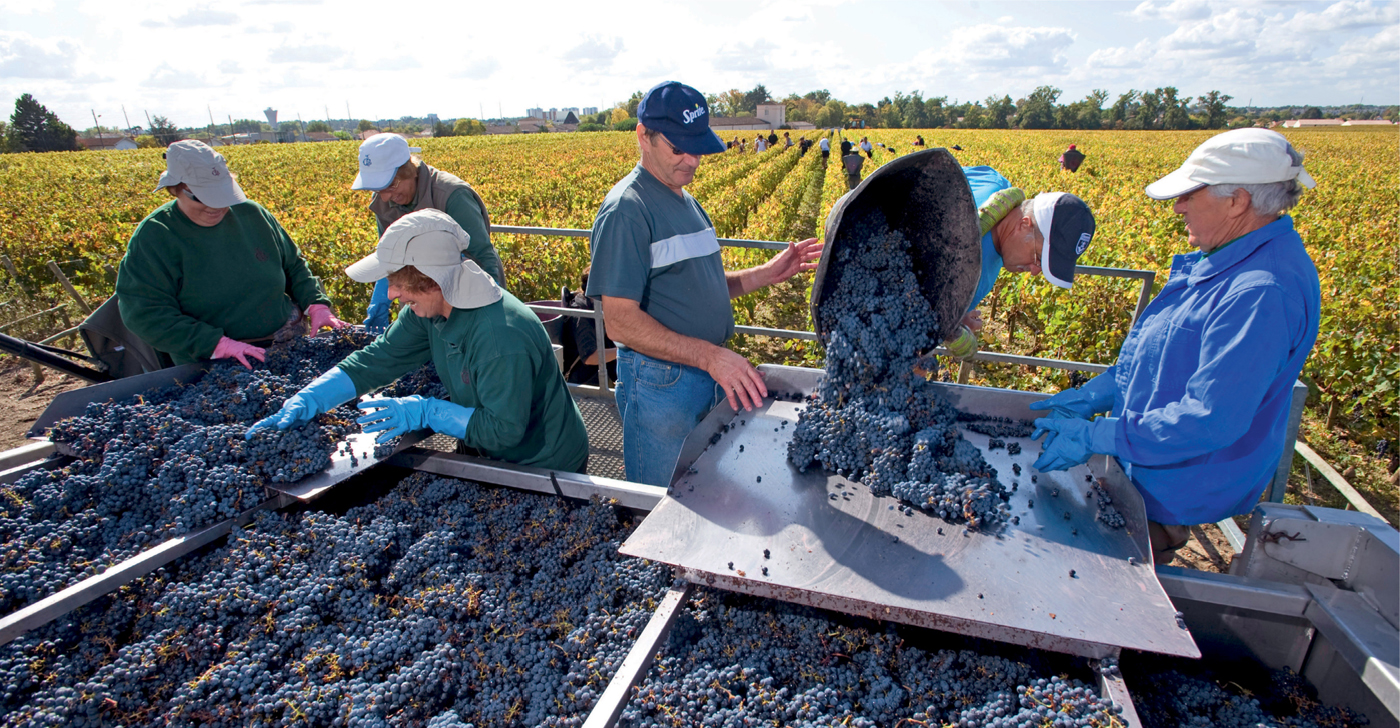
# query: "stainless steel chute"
833,545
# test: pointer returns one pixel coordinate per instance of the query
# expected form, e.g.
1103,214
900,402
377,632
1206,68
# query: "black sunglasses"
191,195
674,149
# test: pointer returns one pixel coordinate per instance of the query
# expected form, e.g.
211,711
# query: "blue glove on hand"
377,315
323,394
1097,395
396,416
1071,441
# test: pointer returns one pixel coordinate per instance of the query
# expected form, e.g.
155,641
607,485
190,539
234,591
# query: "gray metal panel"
1224,590
1279,486
858,555
634,667
342,468
75,401
1367,643
538,480
56,605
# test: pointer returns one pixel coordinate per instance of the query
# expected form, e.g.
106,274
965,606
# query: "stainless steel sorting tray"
858,554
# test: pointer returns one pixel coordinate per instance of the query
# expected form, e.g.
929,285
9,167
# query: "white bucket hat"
435,244
380,157
1241,156
204,171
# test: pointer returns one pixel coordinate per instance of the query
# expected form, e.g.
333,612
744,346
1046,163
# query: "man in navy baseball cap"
680,112
658,271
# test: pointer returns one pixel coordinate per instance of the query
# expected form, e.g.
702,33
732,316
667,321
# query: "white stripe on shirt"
684,247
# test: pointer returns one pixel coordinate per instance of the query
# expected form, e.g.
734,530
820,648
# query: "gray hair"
1270,199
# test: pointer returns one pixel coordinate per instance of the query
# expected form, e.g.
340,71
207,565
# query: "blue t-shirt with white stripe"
659,248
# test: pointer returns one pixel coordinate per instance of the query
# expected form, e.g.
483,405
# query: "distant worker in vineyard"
853,163
1044,235
787,140
211,274
773,139
403,183
1198,400
825,145
760,144
1071,159
867,148
657,268
509,401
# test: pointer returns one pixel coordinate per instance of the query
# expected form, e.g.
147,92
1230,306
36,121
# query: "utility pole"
211,124
124,116
149,126
300,127
348,117
99,126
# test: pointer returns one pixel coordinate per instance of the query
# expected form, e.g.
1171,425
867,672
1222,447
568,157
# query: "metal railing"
1146,277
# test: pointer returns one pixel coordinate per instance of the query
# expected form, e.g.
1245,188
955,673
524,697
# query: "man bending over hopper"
1044,235
657,266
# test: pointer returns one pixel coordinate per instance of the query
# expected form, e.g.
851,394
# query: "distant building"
590,110
802,125
571,119
721,124
535,113
774,114
321,136
1296,123
367,133
531,126
501,129
1367,122
105,143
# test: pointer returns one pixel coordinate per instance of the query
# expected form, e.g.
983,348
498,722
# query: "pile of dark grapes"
442,595
162,464
874,418
449,604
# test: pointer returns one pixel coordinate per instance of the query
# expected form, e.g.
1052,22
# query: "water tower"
271,114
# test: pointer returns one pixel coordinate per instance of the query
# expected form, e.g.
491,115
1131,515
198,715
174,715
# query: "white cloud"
203,16
166,77
25,7
312,53
1173,10
23,56
1345,15
230,66
593,53
994,50
744,56
477,69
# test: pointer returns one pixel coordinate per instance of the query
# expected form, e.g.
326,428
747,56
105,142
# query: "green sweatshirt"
182,287
496,359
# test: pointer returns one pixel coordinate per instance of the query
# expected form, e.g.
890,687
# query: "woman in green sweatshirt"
211,274
509,400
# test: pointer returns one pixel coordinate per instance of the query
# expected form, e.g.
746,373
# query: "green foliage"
318,125
146,141
33,128
468,127
164,131
629,124
592,126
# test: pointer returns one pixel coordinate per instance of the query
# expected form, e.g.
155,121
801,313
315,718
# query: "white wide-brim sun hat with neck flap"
432,242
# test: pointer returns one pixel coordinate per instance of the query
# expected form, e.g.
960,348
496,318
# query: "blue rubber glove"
377,315
1070,442
396,416
323,394
1097,395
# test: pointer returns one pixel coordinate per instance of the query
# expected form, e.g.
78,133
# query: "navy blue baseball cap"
681,114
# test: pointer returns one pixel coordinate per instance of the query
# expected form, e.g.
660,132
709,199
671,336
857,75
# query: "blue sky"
310,57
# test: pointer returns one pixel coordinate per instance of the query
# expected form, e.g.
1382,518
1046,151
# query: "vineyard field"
79,209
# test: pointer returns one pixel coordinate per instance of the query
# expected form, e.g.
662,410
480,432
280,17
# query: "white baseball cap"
380,157
204,171
432,242
1241,156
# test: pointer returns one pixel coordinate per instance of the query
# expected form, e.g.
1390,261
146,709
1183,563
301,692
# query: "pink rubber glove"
321,317
233,348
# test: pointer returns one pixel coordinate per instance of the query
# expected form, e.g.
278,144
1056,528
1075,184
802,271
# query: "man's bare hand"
973,320
797,258
742,384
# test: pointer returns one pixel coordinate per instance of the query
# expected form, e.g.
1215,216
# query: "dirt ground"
24,400
1208,550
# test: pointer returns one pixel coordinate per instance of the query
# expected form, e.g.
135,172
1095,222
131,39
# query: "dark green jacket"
496,359
182,287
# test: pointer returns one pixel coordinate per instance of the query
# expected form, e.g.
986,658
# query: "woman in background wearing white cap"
1200,394
211,274
509,400
403,183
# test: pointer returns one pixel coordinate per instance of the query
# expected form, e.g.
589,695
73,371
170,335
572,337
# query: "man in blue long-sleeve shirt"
1200,394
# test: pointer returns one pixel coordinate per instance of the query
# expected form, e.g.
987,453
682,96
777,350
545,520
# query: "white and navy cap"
1067,226
432,242
380,157
1240,156
204,171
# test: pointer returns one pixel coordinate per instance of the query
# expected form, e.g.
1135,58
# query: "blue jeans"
660,403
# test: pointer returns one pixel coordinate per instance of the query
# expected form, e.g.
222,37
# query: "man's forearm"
747,281
636,329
